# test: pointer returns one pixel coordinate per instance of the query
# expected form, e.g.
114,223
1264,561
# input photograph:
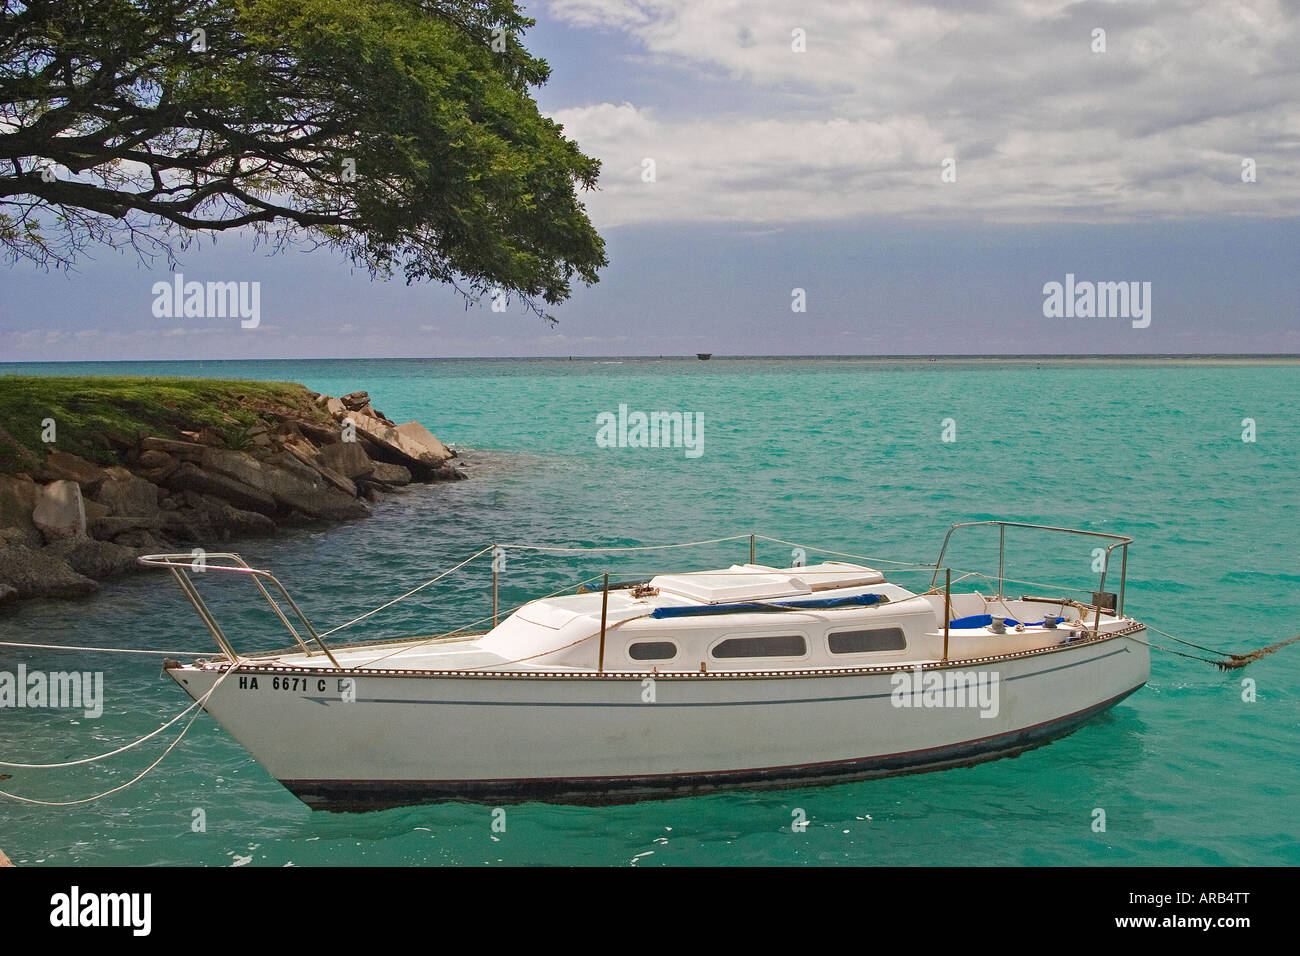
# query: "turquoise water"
842,454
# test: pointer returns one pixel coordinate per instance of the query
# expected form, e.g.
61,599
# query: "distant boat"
704,356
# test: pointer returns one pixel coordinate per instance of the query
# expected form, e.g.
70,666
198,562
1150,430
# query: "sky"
914,175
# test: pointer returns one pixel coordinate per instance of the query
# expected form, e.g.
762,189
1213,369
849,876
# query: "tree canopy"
401,132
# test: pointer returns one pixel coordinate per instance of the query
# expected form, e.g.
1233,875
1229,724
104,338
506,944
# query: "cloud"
1041,127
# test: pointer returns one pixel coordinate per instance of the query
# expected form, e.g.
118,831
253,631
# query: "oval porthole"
652,651
785,645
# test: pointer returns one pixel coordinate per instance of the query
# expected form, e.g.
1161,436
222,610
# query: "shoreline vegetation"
97,470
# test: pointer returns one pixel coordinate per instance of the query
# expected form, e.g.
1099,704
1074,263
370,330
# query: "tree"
401,132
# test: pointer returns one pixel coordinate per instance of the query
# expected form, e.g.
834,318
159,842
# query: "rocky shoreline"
67,523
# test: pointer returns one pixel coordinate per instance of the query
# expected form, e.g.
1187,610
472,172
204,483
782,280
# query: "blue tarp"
859,600
984,620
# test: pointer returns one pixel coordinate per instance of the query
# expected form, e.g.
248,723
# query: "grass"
95,416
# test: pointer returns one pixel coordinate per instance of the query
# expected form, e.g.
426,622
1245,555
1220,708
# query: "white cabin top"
756,582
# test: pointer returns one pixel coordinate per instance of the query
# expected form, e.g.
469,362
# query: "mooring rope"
1233,661
197,707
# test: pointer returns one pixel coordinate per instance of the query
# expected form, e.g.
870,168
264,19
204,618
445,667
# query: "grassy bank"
96,416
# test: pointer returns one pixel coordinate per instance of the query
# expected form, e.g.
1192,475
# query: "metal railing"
181,565
1120,541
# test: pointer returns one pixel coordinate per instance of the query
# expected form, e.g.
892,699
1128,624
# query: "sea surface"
1199,767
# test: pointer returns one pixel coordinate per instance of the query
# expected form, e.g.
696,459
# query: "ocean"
867,457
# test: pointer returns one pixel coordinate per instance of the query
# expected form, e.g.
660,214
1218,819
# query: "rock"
308,468
355,400
59,513
190,477
417,434
18,497
35,573
207,436
126,494
7,594
184,450
153,458
322,433
156,466
407,444
110,528
61,466
288,482
447,472
94,510
95,559
347,458
245,524
335,407
142,542
385,473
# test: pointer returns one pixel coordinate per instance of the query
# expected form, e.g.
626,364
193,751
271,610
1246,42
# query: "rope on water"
1230,662
196,707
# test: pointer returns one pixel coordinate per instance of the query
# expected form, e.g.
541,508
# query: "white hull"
411,737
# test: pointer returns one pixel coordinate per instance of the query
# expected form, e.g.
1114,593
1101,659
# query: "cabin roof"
755,582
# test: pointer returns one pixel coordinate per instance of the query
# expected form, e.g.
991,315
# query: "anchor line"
197,707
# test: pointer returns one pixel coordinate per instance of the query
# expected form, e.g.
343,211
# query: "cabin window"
862,642
792,645
652,651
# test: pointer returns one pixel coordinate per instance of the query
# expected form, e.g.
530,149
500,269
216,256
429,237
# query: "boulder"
388,474
95,559
184,450
190,477
335,407
108,528
33,572
307,467
283,479
18,497
355,400
126,494
94,510
407,444
142,542
322,433
7,594
59,513
62,466
446,472
156,466
347,458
